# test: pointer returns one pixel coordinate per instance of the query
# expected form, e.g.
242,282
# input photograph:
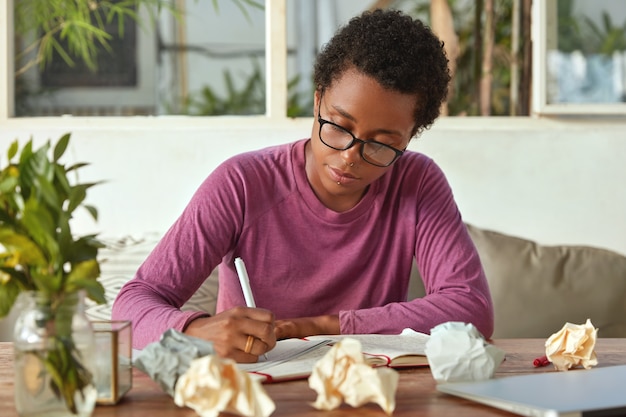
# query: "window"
194,58
197,59
169,67
580,57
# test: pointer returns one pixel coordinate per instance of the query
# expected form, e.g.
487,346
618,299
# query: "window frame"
6,61
276,81
544,33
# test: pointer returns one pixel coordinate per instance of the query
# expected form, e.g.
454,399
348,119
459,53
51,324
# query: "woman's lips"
340,177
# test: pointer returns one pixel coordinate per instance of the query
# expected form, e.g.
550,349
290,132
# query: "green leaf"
33,166
12,150
27,251
92,210
48,283
62,365
19,278
76,166
7,185
84,248
9,290
61,146
27,151
83,276
40,162
78,193
47,193
94,289
61,181
6,218
83,270
64,236
41,227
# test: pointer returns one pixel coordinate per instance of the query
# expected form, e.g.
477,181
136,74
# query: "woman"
329,227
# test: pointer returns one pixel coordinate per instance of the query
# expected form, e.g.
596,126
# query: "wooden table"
416,394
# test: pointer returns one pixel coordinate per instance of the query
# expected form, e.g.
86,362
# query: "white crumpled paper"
458,352
573,346
212,385
342,375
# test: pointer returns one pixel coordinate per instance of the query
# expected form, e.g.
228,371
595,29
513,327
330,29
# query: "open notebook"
578,392
395,351
295,358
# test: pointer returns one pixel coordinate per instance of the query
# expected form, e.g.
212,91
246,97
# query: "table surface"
416,394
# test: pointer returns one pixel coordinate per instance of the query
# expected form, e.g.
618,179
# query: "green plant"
75,30
39,253
607,38
250,99
570,35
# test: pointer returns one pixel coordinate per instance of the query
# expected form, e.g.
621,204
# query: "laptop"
578,392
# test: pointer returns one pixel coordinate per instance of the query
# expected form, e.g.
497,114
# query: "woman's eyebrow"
344,113
348,116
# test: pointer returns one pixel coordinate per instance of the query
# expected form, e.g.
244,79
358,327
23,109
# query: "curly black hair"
400,53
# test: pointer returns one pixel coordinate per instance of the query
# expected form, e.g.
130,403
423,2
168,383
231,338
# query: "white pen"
244,280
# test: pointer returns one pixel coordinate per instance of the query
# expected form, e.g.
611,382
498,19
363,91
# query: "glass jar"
54,357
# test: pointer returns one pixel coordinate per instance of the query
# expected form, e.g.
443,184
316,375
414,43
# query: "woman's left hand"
306,326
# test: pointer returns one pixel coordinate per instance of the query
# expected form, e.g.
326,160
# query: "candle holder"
114,375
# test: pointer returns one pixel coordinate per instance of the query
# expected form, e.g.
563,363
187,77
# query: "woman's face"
358,104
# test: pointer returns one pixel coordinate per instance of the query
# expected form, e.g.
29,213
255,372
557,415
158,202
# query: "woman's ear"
317,96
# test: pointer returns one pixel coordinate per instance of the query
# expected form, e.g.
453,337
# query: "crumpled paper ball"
342,375
572,346
164,361
457,352
212,385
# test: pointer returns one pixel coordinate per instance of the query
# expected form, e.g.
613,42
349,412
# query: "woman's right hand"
229,331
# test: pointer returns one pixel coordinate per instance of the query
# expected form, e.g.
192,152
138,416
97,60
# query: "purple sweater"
304,259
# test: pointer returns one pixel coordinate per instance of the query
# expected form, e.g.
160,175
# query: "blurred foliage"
73,30
607,38
39,252
247,100
80,24
467,77
76,31
580,33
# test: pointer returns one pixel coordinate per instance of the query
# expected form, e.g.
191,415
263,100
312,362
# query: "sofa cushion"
536,289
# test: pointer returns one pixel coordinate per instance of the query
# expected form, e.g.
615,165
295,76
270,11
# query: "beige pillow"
536,289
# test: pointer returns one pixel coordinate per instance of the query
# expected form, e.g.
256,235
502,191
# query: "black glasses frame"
356,140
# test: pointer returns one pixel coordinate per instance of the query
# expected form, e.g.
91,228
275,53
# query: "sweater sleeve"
182,260
455,283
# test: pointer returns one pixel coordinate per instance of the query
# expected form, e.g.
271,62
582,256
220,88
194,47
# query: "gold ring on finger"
249,344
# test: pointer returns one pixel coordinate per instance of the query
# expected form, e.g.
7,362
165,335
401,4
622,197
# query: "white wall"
549,180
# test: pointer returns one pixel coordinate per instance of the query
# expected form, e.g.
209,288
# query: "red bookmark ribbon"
541,361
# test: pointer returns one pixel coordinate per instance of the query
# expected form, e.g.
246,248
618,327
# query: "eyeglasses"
339,138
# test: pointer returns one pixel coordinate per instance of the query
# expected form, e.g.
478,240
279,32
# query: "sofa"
535,288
